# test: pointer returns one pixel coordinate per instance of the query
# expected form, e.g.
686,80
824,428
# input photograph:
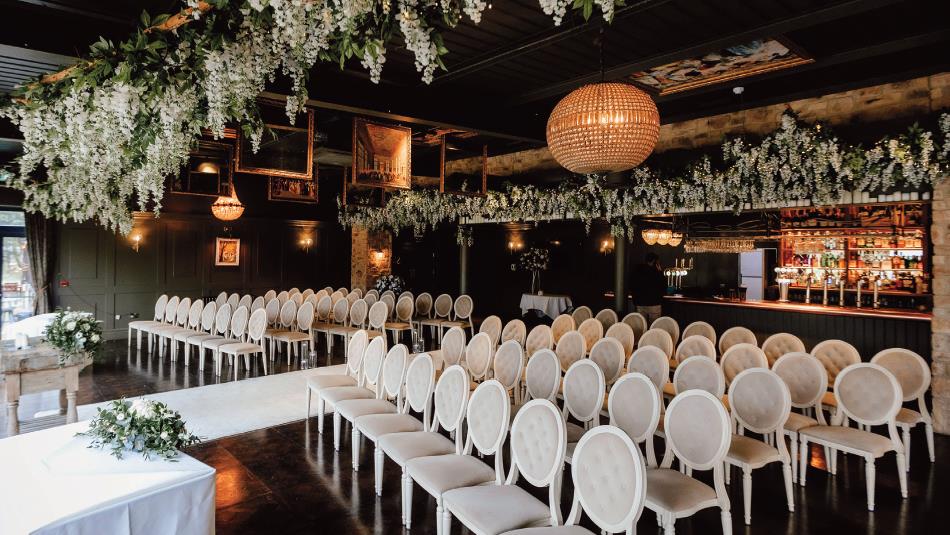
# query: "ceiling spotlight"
738,90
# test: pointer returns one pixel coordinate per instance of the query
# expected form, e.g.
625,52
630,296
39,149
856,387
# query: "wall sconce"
378,258
136,240
514,245
607,246
306,243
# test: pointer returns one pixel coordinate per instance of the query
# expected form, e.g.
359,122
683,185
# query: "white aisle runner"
225,409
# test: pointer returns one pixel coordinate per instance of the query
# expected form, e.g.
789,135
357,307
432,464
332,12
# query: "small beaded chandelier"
227,208
604,127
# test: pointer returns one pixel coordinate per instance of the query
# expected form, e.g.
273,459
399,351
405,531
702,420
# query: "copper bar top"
893,313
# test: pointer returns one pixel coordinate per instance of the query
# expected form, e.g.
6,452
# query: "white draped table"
51,483
551,305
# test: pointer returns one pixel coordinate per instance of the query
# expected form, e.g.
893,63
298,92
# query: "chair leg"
929,429
669,526
309,399
446,521
129,337
905,431
726,472
264,362
902,473
355,448
726,517
803,460
747,494
869,473
337,423
321,408
407,497
789,481
378,458
832,460
439,510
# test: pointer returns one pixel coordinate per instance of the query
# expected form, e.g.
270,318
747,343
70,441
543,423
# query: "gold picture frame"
389,149
227,252
248,162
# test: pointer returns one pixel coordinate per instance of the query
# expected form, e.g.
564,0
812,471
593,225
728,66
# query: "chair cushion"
797,422
216,343
849,437
320,382
745,450
343,330
272,331
446,472
375,426
400,447
908,417
431,321
152,326
339,393
373,334
184,335
397,325
675,492
449,324
241,348
292,336
139,324
199,338
493,509
352,409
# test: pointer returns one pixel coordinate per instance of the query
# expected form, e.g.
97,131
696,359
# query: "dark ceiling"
505,74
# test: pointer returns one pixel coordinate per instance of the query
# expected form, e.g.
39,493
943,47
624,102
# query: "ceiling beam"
537,41
797,22
73,10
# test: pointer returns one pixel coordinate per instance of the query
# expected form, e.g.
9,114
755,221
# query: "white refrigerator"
752,273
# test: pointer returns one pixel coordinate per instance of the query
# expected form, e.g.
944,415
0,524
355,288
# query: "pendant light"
228,208
603,127
650,235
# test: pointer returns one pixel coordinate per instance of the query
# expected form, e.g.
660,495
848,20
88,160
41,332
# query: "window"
17,291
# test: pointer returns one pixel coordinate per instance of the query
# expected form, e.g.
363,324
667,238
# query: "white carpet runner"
235,407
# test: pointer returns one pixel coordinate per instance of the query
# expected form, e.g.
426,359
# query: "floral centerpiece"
143,426
390,282
73,334
535,260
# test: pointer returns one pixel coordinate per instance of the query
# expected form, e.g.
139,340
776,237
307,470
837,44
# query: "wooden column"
620,275
463,268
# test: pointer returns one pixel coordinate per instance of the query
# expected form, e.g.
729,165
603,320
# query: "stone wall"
366,265
940,337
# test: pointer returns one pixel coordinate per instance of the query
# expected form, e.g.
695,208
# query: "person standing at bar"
649,286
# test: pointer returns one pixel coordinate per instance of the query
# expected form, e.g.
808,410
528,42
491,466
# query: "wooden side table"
37,369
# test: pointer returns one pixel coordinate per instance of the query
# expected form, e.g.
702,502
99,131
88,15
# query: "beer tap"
877,288
841,282
857,301
808,276
825,275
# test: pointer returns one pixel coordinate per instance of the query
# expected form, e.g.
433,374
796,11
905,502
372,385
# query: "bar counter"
869,330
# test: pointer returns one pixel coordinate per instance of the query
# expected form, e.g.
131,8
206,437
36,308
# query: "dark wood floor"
288,479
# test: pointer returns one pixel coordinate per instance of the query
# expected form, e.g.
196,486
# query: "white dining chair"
781,343
386,401
700,328
584,391
517,331
807,382
634,406
170,322
669,325
300,335
204,326
376,319
592,331
637,322
492,327
834,355
736,335
622,333
913,374
366,388
488,414
699,373
403,319
183,314
235,335
284,324
870,395
606,317
270,294
247,301
538,441
570,349
741,357
694,345
540,337
423,311
658,338
234,300
340,316
561,325
139,325
257,304
441,308
461,315
581,314
453,347
542,376
191,328
698,433
252,344
350,377
760,402
222,321
478,356
609,355
507,368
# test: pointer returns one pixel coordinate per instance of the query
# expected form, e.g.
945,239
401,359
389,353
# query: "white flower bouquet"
534,259
143,426
73,333
390,282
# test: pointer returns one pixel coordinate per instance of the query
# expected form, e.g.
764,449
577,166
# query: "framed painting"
286,150
291,189
728,64
382,155
209,170
227,251
464,169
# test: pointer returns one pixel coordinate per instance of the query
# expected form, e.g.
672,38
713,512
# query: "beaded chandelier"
227,208
603,127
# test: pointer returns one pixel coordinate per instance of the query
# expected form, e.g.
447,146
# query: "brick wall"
940,337
365,268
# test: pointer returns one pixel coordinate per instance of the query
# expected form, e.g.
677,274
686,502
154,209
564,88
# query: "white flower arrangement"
101,140
73,334
796,162
534,259
392,283
143,426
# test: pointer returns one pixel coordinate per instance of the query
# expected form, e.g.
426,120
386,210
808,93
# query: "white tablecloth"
51,483
552,305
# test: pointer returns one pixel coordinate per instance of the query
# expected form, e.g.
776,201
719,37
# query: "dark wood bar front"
869,330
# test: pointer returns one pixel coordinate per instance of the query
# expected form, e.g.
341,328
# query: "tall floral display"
535,260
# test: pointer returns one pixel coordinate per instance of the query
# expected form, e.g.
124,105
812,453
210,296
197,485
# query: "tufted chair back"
258,303
570,349
609,355
835,355
207,316
910,369
272,311
453,346
652,362
160,303
390,302
451,398
222,319
256,326
221,299
760,402
420,383
516,330
288,313
561,325
606,317
194,313
508,365
406,293
538,444
581,314
305,317
609,480
269,294
700,328
283,296
584,389
622,333
699,430
354,353
341,311
394,372
694,345
377,315
324,307
488,414
543,375
478,355
540,337
637,322
735,335
658,338
335,297
358,311
806,379
247,301
592,331
741,357
183,312
492,327
669,325
869,394
699,373
373,362
634,406
781,343
171,309
239,323
234,300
